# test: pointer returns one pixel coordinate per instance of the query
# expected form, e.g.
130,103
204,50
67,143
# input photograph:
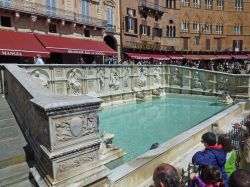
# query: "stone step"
6,114
7,123
13,153
12,141
9,132
17,175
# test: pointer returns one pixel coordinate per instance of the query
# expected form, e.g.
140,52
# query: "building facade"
82,19
214,25
149,26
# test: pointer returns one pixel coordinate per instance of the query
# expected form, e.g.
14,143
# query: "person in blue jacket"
212,155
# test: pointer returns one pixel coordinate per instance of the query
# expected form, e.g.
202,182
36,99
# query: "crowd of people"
228,66
217,164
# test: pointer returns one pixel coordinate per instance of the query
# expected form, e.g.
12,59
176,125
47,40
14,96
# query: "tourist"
212,155
82,61
210,177
240,178
244,152
165,175
39,60
231,158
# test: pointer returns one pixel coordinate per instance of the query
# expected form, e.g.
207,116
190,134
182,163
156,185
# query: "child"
210,177
231,158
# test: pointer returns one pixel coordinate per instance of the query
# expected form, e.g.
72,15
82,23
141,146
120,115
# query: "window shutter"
234,44
136,29
148,30
141,28
126,23
160,32
241,44
174,32
207,44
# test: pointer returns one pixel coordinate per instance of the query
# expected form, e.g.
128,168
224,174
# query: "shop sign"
143,45
74,51
11,53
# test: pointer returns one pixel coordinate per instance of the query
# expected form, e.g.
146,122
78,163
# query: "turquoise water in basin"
138,126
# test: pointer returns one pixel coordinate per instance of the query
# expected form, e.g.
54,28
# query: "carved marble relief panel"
60,88
101,78
196,81
142,77
42,76
59,73
74,82
114,79
175,77
74,127
222,83
77,162
126,76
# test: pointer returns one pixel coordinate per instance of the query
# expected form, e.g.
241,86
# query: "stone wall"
62,130
121,83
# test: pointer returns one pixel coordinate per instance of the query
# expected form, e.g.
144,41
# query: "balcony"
110,28
51,12
149,8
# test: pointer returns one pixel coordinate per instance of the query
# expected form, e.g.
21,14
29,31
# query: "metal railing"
237,138
151,5
53,12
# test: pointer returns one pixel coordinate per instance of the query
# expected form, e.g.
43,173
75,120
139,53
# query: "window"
144,29
220,4
237,45
170,4
157,32
51,7
208,28
185,43
207,44
219,44
87,33
238,29
171,32
219,29
185,26
131,12
239,4
5,3
5,21
131,21
196,40
85,11
196,27
208,4
109,15
52,28
196,3
185,2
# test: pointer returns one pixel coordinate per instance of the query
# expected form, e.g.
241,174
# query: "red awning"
208,57
192,57
222,56
20,44
75,46
175,56
239,56
147,56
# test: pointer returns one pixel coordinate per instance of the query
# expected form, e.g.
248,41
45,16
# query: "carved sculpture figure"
196,81
125,78
106,141
142,77
114,83
101,76
74,83
222,83
176,80
157,77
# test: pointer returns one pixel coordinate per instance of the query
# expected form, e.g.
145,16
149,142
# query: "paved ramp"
13,167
